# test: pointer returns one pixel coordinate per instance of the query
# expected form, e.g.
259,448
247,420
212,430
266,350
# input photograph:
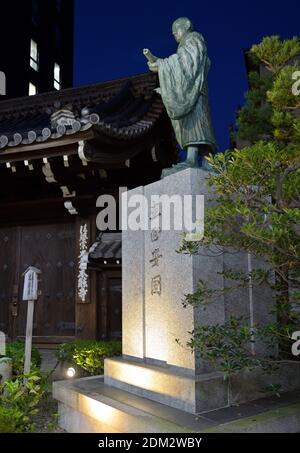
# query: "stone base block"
174,387
251,385
204,392
86,405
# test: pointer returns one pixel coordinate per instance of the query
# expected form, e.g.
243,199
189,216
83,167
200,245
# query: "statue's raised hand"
153,66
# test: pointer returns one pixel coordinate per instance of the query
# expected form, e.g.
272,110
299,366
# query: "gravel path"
46,420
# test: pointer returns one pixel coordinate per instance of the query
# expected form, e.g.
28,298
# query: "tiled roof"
109,246
124,109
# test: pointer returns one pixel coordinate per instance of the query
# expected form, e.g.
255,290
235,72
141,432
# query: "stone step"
88,405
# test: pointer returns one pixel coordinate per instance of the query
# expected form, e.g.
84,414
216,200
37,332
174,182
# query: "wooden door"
50,248
109,313
9,279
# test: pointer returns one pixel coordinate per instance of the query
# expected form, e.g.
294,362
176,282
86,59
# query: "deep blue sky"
110,36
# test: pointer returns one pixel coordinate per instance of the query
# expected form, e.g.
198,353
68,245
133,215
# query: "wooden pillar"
28,342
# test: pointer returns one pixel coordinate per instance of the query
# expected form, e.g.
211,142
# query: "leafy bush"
88,355
19,398
16,351
9,420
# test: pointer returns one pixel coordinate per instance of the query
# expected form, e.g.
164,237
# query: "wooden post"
29,328
30,293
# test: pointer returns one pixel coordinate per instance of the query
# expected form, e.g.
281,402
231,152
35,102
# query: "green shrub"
16,351
88,355
19,400
9,418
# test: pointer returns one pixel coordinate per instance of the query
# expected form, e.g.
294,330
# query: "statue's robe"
184,91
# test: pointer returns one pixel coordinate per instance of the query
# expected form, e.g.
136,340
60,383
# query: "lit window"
32,89
57,79
34,55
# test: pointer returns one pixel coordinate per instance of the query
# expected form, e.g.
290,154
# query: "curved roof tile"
123,109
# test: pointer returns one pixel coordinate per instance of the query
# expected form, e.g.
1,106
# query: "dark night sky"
110,36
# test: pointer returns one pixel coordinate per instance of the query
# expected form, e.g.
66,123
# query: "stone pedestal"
155,280
156,277
158,383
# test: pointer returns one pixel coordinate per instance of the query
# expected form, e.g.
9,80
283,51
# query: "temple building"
59,151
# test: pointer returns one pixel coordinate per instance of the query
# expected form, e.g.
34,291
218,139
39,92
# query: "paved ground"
48,359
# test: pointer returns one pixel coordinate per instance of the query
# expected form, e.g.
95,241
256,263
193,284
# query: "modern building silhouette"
36,46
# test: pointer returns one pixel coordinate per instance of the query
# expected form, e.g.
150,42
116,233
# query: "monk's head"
181,27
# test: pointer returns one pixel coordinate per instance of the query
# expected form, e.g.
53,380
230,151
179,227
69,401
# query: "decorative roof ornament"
63,117
88,117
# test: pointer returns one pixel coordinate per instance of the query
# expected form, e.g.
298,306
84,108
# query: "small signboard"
30,291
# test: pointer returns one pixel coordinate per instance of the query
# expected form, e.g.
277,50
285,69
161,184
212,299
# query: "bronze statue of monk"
184,91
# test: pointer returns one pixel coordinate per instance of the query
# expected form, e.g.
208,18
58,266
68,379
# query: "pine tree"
258,206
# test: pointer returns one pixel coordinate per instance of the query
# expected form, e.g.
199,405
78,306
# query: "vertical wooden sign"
30,294
82,278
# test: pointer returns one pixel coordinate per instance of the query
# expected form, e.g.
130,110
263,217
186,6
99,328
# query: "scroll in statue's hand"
150,57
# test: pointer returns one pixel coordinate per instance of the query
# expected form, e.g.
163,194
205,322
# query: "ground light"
70,372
